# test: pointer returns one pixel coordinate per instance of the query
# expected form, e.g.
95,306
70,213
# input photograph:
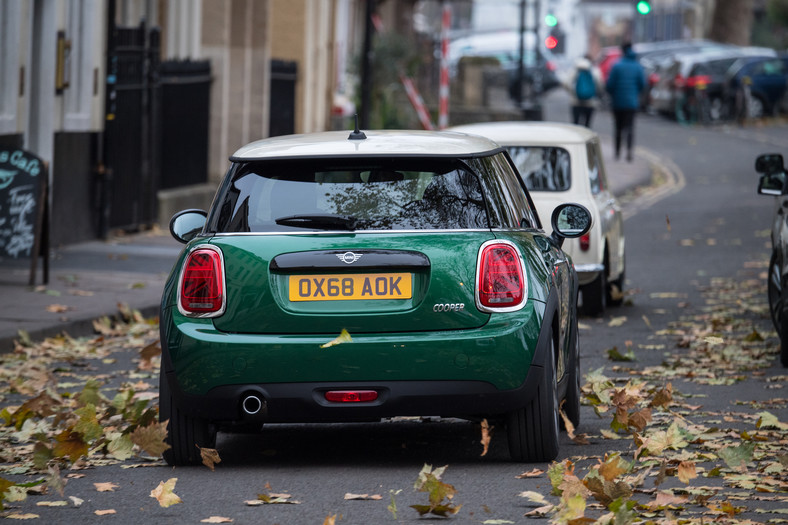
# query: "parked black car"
756,86
773,182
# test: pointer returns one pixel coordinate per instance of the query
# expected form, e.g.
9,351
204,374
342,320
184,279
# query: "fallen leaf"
534,497
351,496
164,493
210,457
617,321
330,520
27,516
216,519
106,486
344,337
57,308
686,471
535,473
106,512
486,436
60,503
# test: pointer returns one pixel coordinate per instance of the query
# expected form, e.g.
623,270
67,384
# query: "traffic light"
643,7
550,20
555,40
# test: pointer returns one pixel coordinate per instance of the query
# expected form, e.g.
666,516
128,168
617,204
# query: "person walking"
585,86
624,84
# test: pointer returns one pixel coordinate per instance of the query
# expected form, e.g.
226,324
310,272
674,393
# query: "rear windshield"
542,168
355,194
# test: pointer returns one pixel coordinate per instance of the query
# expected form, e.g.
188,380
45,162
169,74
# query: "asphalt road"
712,229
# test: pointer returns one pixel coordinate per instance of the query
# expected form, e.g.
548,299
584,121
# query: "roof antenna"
357,134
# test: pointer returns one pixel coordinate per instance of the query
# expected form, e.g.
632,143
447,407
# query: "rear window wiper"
325,221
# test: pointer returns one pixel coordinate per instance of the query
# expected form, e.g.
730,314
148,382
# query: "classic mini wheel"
533,429
615,290
184,434
595,295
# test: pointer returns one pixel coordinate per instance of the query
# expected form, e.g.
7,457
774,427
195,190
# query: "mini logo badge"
349,257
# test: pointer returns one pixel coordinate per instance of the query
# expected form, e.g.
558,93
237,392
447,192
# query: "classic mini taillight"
201,293
585,242
351,396
501,284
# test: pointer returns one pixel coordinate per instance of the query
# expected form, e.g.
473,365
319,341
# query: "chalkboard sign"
23,207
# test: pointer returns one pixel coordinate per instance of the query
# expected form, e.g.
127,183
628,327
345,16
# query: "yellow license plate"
350,287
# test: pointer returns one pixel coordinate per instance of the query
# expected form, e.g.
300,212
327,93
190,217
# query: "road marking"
671,181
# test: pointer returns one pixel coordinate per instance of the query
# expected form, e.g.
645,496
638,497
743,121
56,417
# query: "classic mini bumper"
586,273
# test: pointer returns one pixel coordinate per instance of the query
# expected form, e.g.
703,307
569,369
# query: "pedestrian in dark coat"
625,83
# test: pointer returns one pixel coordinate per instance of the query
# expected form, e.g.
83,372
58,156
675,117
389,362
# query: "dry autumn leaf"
351,496
164,493
344,337
105,512
210,457
486,436
216,519
106,486
686,471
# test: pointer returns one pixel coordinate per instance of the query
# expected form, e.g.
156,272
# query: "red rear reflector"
585,242
501,282
201,285
351,396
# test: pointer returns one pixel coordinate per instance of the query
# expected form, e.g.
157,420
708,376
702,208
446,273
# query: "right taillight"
501,282
585,242
201,290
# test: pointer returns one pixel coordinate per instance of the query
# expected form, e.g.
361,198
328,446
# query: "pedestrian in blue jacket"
625,83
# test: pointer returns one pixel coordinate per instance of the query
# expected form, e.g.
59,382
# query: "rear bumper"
306,403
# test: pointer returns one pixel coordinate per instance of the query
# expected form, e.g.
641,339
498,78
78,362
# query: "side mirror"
570,221
769,163
187,224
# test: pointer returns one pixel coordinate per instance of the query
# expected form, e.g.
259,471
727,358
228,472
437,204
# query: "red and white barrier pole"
443,93
417,102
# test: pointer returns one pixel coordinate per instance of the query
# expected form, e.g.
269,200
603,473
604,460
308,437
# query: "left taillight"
585,242
501,285
201,288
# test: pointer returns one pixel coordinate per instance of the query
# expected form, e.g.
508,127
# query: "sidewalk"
89,280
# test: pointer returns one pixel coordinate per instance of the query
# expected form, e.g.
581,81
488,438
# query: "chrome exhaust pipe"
252,404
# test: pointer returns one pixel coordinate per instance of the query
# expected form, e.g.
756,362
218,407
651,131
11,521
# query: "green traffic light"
551,20
643,7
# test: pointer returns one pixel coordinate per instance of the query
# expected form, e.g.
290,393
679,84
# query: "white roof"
377,143
529,133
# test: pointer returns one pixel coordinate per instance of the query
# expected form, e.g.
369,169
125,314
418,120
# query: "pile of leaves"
60,412
684,464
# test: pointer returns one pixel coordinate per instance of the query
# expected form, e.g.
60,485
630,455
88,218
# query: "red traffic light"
551,42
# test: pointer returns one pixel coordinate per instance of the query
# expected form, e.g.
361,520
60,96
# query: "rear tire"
776,294
185,434
533,429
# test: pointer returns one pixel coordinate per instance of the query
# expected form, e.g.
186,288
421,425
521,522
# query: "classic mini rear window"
349,194
542,168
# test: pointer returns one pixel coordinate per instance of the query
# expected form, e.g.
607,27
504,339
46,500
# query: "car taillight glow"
698,81
678,81
351,396
585,242
550,65
202,283
501,279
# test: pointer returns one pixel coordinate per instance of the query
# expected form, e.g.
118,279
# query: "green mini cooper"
373,275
